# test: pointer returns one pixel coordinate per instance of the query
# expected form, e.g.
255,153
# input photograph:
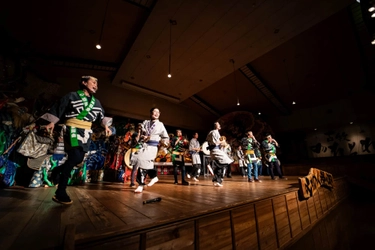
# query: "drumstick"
152,200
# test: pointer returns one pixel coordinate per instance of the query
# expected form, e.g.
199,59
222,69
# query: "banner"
309,184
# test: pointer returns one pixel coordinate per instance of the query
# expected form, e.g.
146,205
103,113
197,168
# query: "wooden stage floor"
29,219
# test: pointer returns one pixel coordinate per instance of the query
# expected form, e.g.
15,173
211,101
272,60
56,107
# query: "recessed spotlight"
351,122
293,103
98,46
315,129
169,75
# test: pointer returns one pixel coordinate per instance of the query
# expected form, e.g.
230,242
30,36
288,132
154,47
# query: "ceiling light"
373,15
351,122
98,46
171,22
371,9
373,42
315,129
293,103
235,82
259,113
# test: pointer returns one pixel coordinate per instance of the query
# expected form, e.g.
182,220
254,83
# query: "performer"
135,145
77,110
153,131
218,156
228,150
179,144
194,148
241,160
269,145
249,143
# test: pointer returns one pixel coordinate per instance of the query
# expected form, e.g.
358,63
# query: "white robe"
195,157
147,154
213,138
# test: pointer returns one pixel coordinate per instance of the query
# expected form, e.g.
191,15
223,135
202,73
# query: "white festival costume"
213,138
195,157
147,154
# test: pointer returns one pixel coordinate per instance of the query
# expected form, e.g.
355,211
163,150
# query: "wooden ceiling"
307,51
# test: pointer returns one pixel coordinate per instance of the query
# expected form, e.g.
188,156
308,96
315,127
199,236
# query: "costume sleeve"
57,111
104,121
191,145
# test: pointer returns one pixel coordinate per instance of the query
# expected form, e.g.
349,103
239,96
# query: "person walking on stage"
269,146
153,133
179,145
77,110
218,156
195,148
249,143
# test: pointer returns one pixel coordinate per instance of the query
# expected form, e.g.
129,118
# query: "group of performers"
78,110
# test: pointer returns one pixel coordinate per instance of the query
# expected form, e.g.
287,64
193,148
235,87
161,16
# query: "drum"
205,149
127,158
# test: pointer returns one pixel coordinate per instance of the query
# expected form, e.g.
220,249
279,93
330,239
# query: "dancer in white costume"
153,133
218,156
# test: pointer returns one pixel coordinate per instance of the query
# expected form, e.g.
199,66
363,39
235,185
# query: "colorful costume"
178,158
251,159
78,112
270,150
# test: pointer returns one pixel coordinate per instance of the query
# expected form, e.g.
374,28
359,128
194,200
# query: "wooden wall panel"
128,243
215,232
304,213
294,217
281,220
312,210
318,206
266,225
244,225
180,236
322,199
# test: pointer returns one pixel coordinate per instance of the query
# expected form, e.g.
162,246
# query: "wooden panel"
175,237
312,210
304,213
215,232
322,199
294,217
266,225
282,220
244,225
318,206
128,243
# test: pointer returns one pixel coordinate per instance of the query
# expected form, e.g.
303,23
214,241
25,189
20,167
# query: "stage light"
171,22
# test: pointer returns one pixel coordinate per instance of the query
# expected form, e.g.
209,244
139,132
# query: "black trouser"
132,176
75,157
218,171
275,164
195,170
142,173
180,164
243,171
